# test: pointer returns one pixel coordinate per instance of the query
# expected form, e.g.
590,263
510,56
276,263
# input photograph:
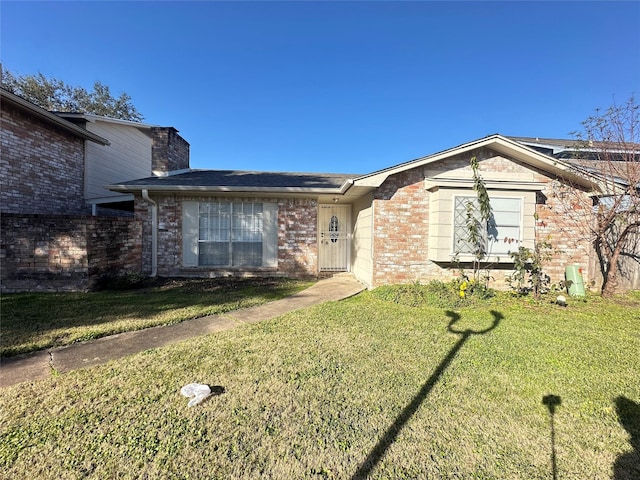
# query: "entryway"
334,237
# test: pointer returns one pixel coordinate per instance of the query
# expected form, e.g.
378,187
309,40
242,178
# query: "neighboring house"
60,163
135,150
52,173
554,147
402,224
614,165
42,159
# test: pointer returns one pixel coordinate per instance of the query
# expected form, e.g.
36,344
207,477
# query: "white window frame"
508,230
441,248
195,240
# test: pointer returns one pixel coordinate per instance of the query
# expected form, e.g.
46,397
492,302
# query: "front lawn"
35,321
362,388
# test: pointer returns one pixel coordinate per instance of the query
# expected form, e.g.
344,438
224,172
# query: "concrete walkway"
39,365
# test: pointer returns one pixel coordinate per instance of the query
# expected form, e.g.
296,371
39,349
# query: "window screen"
230,234
500,234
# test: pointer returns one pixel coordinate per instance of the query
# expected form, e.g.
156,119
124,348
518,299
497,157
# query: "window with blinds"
229,234
501,234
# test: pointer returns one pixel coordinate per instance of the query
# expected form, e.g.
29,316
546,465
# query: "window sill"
206,268
468,259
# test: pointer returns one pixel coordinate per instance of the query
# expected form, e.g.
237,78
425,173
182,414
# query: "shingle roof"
573,150
238,180
552,142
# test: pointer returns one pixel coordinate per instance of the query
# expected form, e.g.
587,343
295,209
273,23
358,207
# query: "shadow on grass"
552,401
29,317
627,465
393,431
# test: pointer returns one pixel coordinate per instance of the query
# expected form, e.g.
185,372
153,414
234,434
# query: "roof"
90,117
497,142
50,118
240,181
252,182
573,150
559,143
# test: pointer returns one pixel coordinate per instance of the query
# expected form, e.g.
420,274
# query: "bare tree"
608,150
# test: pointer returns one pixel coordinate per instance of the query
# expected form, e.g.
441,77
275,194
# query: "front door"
334,236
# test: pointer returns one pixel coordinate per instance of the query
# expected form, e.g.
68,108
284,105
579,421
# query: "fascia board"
52,118
92,118
376,179
222,189
497,142
543,162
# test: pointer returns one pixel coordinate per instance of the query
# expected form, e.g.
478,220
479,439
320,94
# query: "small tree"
608,149
528,266
478,216
479,226
55,95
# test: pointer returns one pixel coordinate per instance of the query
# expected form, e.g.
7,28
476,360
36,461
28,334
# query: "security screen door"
333,232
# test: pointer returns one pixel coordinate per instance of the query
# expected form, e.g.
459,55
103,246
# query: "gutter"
154,232
225,189
346,186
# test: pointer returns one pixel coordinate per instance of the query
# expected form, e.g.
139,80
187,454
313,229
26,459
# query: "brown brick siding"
297,239
556,223
401,228
41,167
66,253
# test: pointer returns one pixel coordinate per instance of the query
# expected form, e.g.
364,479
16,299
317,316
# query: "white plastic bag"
196,390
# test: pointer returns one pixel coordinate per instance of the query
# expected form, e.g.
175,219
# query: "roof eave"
49,117
499,143
90,117
223,189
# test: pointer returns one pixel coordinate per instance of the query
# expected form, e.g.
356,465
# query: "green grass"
315,393
35,321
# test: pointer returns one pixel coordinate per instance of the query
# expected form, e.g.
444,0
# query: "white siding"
128,157
362,243
441,225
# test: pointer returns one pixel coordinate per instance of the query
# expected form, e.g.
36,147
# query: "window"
500,235
229,234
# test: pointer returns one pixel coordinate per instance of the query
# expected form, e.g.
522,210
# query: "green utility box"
574,281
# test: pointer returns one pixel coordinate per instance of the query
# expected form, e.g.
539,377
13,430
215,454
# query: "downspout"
154,232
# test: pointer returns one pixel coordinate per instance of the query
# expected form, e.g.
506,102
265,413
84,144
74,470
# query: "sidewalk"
39,365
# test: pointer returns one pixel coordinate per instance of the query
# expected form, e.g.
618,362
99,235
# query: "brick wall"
41,167
297,239
401,230
557,223
169,151
64,252
401,227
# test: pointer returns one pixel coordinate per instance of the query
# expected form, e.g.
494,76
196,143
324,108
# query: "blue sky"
336,86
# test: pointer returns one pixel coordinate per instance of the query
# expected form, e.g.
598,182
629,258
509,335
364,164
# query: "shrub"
529,275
